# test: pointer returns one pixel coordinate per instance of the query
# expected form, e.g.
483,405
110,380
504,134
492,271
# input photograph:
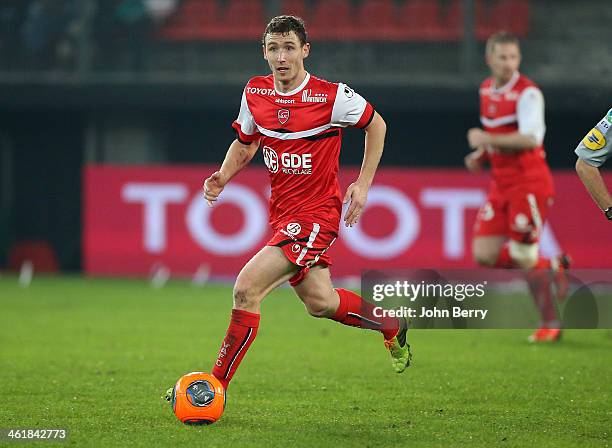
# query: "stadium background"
145,90
158,82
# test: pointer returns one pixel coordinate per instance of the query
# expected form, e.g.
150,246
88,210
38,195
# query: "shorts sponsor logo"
521,222
486,212
294,228
283,115
594,140
295,248
270,159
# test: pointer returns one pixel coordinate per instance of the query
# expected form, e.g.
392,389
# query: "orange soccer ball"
198,398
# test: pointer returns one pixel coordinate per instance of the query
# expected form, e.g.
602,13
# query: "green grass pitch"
95,356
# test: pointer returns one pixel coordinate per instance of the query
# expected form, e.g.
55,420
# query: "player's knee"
485,256
244,297
524,255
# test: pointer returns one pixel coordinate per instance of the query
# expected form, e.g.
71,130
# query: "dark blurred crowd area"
66,35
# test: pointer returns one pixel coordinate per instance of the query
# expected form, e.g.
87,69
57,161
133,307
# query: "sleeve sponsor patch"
594,140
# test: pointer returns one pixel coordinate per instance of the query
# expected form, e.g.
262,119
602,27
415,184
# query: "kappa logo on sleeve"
594,140
348,92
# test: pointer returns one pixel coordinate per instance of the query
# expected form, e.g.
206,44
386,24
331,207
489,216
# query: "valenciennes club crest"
283,116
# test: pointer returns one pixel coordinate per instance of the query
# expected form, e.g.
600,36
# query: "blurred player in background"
509,225
297,120
593,151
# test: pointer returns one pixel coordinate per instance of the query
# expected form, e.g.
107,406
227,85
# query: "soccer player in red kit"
509,224
297,120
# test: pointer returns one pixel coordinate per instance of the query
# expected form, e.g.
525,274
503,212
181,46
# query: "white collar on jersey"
508,85
297,89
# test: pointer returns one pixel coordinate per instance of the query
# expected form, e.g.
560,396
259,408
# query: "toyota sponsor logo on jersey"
289,163
270,159
283,115
261,91
309,97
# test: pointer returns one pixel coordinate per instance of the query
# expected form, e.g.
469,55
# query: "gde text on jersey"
289,163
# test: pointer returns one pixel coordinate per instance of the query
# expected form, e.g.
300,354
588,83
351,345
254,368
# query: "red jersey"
301,133
500,114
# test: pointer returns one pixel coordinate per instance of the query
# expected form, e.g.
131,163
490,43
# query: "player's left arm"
357,192
530,117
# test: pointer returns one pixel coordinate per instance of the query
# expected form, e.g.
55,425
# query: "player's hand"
213,186
477,137
473,161
358,194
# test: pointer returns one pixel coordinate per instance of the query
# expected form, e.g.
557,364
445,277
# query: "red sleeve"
366,117
243,138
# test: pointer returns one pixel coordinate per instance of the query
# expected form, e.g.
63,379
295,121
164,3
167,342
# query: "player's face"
286,55
503,61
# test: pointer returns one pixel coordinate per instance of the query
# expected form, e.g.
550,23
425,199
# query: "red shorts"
519,215
305,244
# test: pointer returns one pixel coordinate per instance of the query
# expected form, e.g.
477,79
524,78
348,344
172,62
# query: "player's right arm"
238,156
592,152
594,183
475,160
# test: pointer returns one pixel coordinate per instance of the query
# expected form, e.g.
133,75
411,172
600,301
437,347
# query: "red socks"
352,311
356,312
240,334
539,282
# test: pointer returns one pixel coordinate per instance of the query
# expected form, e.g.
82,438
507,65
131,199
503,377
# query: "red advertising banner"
138,217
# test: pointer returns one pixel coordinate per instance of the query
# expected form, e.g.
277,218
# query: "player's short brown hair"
284,25
501,37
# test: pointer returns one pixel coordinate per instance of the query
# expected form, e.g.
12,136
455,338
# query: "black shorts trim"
289,241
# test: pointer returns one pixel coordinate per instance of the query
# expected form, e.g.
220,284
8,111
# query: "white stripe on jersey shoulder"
497,122
297,89
293,135
245,117
348,107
